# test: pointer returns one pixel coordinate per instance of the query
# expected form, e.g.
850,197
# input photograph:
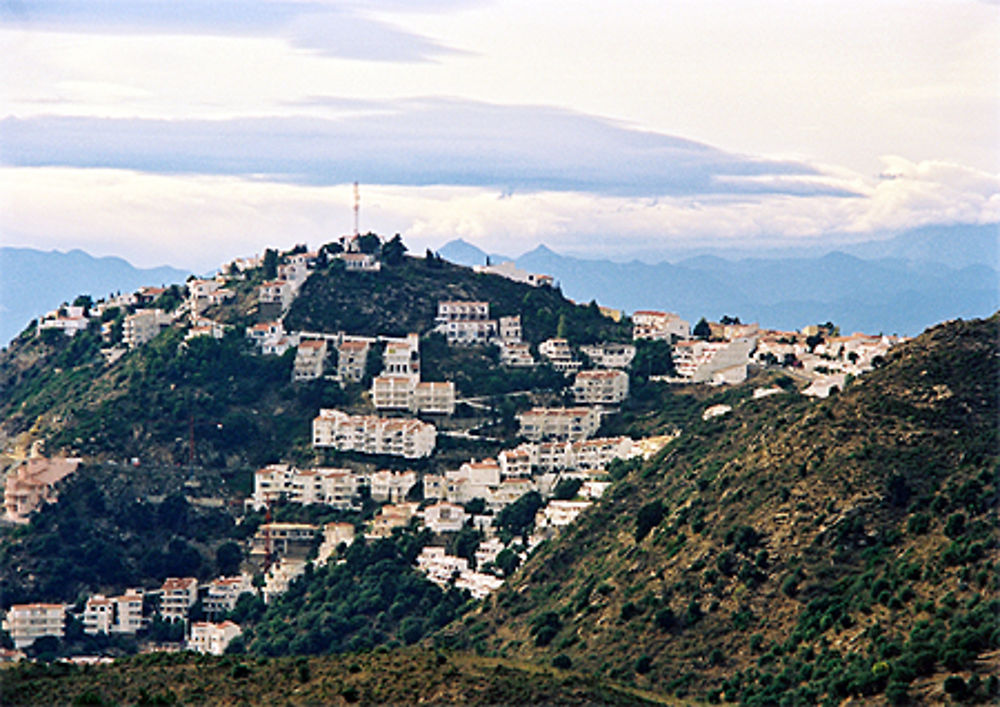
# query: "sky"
188,133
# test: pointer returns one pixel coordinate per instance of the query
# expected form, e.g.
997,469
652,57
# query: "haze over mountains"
901,285
33,282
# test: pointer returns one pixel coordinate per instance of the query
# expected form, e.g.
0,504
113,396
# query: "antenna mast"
357,207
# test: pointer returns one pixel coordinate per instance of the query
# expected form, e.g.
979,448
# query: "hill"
790,550
65,275
243,407
403,298
404,676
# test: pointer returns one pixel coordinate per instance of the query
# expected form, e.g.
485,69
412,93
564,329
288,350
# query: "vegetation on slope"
114,528
403,298
793,550
375,597
403,676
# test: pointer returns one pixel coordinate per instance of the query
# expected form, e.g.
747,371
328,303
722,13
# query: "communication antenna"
357,207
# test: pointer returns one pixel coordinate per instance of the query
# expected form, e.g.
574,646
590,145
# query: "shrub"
643,665
649,517
562,662
955,686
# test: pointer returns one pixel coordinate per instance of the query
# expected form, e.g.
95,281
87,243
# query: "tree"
727,320
270,264
369,243
653,357
84,301
562,328
566,489
394,251
702,330
228,558
508,561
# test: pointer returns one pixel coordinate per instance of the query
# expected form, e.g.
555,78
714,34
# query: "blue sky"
190,132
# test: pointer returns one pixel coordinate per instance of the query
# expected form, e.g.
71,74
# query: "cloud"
416,142
201,221
337,29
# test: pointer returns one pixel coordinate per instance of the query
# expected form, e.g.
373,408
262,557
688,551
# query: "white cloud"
200,222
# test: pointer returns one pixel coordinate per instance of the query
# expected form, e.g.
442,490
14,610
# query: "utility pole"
357,208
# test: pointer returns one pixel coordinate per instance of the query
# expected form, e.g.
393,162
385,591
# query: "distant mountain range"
902,285
33,282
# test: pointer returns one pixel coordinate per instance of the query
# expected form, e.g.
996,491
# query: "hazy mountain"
901,285
33,282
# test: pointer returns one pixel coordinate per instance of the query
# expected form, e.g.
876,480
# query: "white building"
559,354
650,324
224,592
610,354
360,262
487,552
367,434
352,358
401,356
510,271
559,423
478,584
279,576
128,612
713,362
516,355
144,326
510,329
392,486
558,514
33,482
445,517
310,357
516,462
178,595
276,296
98,615
390,517
604,387
265,333
393,392
334,534
433,398
507,492
212,638
68,320
466,323
27,622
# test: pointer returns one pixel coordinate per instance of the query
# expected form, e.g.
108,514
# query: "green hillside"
403,298
793,551
404,676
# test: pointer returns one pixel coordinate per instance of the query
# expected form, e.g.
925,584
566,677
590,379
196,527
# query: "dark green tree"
702,330
393,251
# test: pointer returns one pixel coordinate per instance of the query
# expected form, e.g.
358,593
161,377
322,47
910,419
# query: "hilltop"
243,407
792,548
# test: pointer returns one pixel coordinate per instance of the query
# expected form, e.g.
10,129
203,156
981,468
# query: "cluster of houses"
724,355
133,611
559,442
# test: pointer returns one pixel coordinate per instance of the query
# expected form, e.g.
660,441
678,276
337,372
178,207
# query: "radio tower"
357,208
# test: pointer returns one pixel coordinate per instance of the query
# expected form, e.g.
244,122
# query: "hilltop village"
378,458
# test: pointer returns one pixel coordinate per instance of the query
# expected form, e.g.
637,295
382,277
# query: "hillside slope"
399,677
793,549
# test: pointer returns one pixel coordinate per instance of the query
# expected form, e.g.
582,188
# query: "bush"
955,686
562,662
648,518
